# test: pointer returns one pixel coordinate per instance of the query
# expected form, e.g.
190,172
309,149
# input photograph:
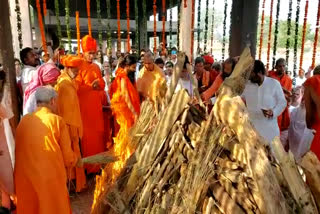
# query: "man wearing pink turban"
46,74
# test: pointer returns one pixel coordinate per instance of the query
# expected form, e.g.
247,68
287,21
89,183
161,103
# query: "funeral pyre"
186,161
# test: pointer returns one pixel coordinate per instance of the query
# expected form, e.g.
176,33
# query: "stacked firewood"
186,161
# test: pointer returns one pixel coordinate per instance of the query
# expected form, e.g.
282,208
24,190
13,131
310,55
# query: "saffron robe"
210,92
314,84
91,101
152,84
286,83
69,110
43,150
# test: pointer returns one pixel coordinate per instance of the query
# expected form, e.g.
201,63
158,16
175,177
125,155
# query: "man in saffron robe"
43,150
312,103
286,84
151,82
69,109
90,86
208,62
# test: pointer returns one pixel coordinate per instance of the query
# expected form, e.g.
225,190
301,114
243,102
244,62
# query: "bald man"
151,83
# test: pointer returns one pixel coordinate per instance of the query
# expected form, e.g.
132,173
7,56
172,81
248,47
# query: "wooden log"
298,188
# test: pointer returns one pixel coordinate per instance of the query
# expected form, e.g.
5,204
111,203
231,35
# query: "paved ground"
81,202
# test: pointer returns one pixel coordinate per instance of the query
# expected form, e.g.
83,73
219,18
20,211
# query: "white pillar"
14,29
185,28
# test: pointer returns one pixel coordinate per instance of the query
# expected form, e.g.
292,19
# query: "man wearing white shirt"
265,101
30,60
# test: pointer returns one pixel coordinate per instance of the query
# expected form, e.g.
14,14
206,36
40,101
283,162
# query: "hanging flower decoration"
100,24
57,11
154,26
315,43
198,26
144,8
108,26
192,27
163,25
206,20
78,32
89,17
44,3
178,24
67,18
288,32
212,26
261,28
224,28
170,25
185,4
269,34
128,25
295,49
43,36
303,36
19,24
136,13
118,22
276,31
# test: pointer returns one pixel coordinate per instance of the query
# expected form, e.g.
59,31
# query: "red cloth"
208,59
286,83
45,74
88,44
314,83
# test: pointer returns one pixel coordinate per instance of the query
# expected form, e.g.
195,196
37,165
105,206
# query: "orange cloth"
210,92
213,75
43,150
69,110
286,83
151,84
314,83
88,44
71,61
90,101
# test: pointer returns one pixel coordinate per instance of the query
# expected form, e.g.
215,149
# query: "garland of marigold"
154,26
288,31
44,3
206,20
100,24
261,28
192,28
144,11
89,17
118,22
67,18
295,50
43,36
198,26
269,35
170,25
128,25
136,13
212,26
224,28
303,36
78,32
57,11
19,24
316,37
276,31
163,25
108,26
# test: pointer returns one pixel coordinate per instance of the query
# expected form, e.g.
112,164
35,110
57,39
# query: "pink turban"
45,74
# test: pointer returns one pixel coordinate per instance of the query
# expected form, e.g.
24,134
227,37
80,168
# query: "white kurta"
185,84
267,96
26,75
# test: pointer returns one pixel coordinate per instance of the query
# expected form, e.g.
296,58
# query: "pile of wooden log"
189,162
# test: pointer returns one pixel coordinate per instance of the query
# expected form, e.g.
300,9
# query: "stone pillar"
244,25
185,28
7,59
143,33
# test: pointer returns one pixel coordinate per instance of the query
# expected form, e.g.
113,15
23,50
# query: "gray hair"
44,94
149,55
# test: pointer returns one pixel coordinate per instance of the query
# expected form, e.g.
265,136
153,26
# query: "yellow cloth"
69,110
151,84
43,150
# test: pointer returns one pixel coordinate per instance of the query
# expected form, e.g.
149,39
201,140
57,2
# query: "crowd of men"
79,106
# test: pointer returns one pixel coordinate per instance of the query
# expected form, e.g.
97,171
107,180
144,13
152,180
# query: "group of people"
80,106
